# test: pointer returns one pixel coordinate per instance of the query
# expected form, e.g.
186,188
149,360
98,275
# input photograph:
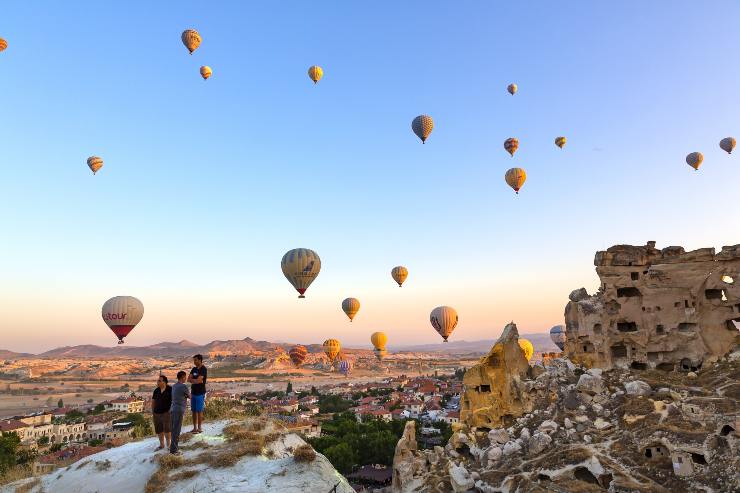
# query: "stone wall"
666,309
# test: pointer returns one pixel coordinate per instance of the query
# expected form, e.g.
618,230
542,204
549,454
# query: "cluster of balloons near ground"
695,159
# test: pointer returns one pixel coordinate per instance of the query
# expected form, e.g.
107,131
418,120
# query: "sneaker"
176,452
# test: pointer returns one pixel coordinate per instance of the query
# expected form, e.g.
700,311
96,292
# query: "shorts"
198,403
162,423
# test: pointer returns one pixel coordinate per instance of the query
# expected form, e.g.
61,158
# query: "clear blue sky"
207,183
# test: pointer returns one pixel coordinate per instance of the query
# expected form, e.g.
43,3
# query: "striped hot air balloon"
345,367
422,126
444,320
331,348
351,306
121,314
191,39
300,267
515,178
399,274
3,44
527,348
511,145
205,72
315,73
95,163
298,354
695,159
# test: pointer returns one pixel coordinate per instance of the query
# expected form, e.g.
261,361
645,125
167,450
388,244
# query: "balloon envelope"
121,314
422,126
515,178
444,320
512,88
511,145
695,159
527,348
380,354
379,340
557,336
205,72
298,354
300,267
331,348
560,141
3,44
727,144
191,39
399,274
315,73
351,306
345,366
95,163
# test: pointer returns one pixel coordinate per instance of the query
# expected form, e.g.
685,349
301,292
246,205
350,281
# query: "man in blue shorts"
197,379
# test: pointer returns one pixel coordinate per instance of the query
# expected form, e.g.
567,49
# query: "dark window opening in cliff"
588,348
726,430
636,365
619,351
727,280
597,329
713,294
483,388
626,326
688,365
658,308
677,304
686,327
664,366
628,292
659,329
648,453
698,458
583,474
543,477
605,480
634,275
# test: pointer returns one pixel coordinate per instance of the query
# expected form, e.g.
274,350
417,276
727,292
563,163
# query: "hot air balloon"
512,88
560,141
422,127
695,159
444,320
399,274
121,314
351,306
191,39
345,367
379,340
315,73
527,348
331,348
727,144
511,145
380,354
205,72
557,335
95,163
298,354
300,267
515,178
3,44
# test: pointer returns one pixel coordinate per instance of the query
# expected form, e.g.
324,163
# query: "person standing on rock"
180,394
161,404
197,379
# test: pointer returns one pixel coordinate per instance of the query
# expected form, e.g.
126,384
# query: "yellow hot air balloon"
315,73
444,320
727,144
205,72
191,39
301,266
351,306
560,141
695,159
331,348
399,274
379,340
380,354
512,88
422,126
95,163
3,44
515,178
511,145
527,348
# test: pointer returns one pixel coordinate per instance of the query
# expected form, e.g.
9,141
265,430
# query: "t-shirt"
162,400
199,388
180,396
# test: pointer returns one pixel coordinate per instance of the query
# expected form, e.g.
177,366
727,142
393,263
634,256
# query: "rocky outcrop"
494,390
666,309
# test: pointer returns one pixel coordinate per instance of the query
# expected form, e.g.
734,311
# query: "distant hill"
541,343
4,354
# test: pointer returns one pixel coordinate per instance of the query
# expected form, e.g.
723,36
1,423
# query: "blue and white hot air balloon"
557,335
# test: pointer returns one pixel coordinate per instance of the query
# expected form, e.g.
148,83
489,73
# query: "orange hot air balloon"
511,145
515,178
331,348
351,306
191,39
298,354
205,72
695,159
399,274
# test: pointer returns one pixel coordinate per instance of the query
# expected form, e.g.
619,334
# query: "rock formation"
494,393
666,309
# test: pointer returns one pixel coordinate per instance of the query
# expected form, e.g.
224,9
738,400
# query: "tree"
290,388
9,443
314,390
44,440
342,457
60,403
